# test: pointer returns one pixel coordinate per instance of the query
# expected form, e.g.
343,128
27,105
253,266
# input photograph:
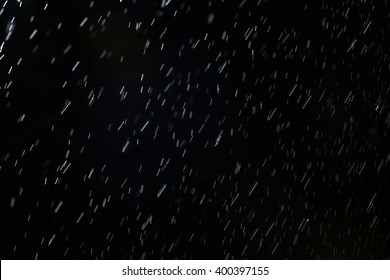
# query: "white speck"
90,173
307,101
33,34
141,189
234,199
84,21
58,207
161,190
242,3
149,220
253,187
67,166
51,240
269,229
80,217
347,98
254,234
368,25
292,90
169,72
75,66
353,43
202,199
238,168
145,125
125,146
21,118
270,114
10,28
218,139
120,126
361,169
165,3
67,49
220,70
12,204
211,18
227,224
67,103
276,246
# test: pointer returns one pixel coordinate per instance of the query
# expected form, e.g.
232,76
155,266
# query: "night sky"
248,129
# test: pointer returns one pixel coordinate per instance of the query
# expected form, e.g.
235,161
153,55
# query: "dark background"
267,130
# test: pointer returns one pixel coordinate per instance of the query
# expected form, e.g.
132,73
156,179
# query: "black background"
282,150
